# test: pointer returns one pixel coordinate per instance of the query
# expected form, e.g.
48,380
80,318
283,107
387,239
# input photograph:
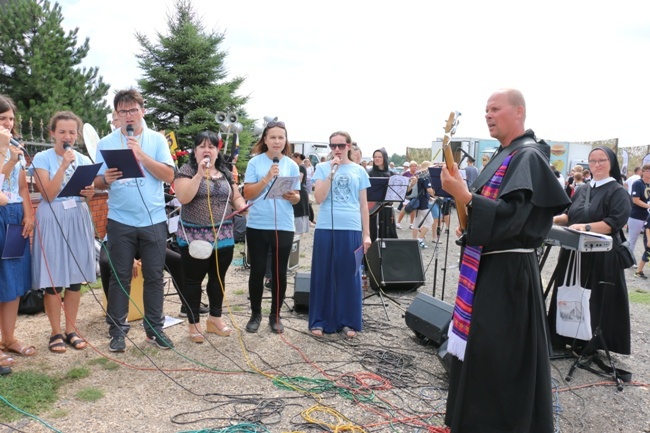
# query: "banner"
171,141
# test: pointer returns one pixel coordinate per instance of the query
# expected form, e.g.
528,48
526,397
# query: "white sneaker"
411,226
398,226
423,245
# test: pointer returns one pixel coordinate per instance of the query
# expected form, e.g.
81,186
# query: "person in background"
510,210
630,180
411,172
382,222
471,172
335,296
607,212
310,189
64,242
301,209
577,182
355,154
137,221
423,217
645,257
15,274
586,175
270,223
391,167
364,164
640,205
208,194
569,184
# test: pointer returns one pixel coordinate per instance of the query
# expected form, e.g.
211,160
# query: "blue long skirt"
335,296
15,274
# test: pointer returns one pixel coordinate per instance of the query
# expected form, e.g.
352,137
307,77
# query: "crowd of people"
512,203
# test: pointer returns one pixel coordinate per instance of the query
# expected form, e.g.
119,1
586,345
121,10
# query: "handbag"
573,317
625,254
412,205
32,302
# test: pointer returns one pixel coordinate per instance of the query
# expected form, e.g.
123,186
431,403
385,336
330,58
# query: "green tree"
39,65
185,80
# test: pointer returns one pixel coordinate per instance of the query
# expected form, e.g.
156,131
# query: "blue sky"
389,72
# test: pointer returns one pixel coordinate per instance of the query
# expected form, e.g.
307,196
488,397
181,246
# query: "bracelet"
105,181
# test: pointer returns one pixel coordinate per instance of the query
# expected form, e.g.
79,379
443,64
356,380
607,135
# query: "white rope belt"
514,250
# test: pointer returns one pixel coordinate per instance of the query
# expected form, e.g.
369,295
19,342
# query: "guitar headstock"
452,123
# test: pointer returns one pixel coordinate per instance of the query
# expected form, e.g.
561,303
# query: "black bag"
32,302
412,205
625,254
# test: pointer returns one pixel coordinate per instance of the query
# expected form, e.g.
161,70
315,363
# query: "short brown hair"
126,96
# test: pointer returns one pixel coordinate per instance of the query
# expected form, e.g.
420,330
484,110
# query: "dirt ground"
385,380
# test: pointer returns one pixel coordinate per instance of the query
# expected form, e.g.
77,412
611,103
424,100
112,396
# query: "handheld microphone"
66,147
276,160
13,142
207,161
129,130
334,168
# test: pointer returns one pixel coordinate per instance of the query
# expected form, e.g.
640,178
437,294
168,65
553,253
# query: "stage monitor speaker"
445,357
395,264
301,286
429,317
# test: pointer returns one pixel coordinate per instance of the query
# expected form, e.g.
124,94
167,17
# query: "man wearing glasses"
136,219
640,206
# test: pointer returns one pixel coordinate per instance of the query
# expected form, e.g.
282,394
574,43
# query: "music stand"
385,190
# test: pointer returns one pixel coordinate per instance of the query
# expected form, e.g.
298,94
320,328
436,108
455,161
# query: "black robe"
504,383
610,203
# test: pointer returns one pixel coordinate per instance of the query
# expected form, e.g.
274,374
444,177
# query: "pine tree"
39,65
185,80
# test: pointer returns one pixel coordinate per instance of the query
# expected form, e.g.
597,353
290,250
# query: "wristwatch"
588,227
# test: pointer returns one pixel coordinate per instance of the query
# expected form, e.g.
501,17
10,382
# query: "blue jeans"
124,242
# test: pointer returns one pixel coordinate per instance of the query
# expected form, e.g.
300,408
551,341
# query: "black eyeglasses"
132,112
275,123
341,146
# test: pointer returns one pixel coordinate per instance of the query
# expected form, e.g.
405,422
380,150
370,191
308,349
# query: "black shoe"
267,283
276,325
203,310
161,340
117,344
254,322
5,371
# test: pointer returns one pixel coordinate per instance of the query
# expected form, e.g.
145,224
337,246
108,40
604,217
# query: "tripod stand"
589,354
445,206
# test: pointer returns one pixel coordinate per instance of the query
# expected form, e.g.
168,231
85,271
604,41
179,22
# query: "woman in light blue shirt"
270,222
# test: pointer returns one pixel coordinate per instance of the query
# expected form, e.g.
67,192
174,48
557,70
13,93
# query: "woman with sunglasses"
270,223
335,295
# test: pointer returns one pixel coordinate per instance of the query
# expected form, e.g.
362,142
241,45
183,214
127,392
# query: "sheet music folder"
83,176
124,160
387,189
436,182
15,243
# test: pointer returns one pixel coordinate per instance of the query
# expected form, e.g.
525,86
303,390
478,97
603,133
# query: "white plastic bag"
573,318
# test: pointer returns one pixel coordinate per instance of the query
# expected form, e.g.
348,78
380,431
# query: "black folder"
81,178
124,160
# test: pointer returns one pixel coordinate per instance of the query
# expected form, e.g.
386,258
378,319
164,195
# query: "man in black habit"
500,379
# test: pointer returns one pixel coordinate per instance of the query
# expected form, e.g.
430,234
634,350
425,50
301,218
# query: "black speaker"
429,317
301,286
445,357
395,264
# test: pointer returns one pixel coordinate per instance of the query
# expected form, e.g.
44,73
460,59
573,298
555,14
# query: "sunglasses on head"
340,146
275,123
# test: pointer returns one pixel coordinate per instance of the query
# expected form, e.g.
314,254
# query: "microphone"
14,142
129,130
334,168
276,160
66,147
206,159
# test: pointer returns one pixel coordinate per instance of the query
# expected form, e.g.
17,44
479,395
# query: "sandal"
197,338
317,332
212,328
21,349
6,360
57,344
75,341
349,332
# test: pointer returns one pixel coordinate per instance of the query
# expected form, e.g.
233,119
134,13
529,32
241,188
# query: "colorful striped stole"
459,331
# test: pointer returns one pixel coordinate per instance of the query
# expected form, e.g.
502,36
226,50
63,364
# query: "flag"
171,141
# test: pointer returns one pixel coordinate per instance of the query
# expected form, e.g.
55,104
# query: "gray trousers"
124,242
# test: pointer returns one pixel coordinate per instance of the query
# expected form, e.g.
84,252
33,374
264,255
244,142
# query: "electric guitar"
450,130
